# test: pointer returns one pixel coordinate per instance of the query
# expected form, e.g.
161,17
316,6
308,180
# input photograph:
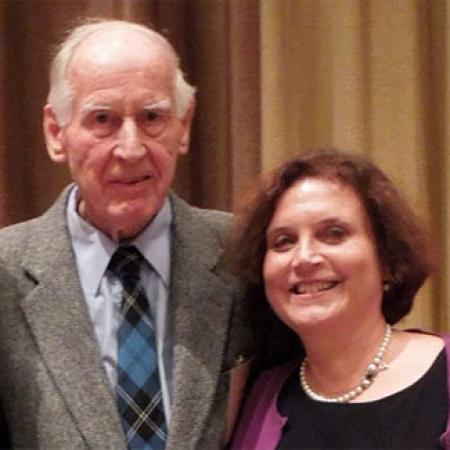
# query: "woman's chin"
312,319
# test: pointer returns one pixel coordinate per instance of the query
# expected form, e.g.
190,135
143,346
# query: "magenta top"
261,424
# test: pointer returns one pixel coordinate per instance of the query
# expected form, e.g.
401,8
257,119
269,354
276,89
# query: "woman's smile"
312,287
321,263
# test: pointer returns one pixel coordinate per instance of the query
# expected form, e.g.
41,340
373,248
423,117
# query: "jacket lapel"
201,305
201,301
59,321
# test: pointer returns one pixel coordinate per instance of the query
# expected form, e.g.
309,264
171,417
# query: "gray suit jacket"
53,387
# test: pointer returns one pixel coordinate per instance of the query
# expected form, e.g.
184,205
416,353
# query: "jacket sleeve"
445,437
260,425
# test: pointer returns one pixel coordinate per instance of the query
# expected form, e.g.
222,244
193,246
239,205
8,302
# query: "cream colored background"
274,78
370,77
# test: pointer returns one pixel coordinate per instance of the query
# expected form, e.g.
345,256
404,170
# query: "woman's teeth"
312,287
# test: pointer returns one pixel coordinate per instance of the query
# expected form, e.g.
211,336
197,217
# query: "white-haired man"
119,326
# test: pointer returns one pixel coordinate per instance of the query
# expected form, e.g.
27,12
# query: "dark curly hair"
406,251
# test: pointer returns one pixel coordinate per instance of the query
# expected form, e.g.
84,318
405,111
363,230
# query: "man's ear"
53,136
187,123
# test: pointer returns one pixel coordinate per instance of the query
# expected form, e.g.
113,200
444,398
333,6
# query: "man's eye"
151,116
102,117
154,121
102,123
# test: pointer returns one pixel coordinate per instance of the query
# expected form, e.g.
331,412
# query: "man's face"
123,139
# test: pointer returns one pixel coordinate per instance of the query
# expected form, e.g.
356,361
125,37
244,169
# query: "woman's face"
321,264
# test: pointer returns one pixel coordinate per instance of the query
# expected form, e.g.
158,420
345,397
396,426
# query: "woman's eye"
334,235
281,243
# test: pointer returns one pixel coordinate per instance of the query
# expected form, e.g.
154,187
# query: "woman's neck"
338,359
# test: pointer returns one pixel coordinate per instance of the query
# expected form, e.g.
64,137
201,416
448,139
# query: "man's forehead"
91,105
118,43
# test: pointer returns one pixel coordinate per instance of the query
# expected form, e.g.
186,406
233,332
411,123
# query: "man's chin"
128,220
121,221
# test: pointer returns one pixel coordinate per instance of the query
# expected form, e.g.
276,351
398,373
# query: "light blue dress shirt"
103,292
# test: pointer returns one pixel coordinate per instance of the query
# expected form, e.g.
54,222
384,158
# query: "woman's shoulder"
413,354
421,350
422,346
409,357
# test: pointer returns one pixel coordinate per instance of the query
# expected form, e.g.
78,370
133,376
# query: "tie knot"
126,262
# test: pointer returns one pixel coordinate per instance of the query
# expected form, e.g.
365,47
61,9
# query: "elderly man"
118,324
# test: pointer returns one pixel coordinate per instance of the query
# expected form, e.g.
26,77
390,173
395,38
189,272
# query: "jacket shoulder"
13,239
216,220
35,234
199,221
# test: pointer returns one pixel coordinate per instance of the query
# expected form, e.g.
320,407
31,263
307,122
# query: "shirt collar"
93,249
154,242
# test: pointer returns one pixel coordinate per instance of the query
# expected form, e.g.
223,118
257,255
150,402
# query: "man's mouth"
312,287
132,181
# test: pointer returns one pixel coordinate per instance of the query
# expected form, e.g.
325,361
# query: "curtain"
210,36
366,76
274,78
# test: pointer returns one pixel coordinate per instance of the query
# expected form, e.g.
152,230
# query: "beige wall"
274,77
368,76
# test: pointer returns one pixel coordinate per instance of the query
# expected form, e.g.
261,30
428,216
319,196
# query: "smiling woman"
339,256
321,263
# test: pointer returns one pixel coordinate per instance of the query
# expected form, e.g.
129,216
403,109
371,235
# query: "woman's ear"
387,279
53,136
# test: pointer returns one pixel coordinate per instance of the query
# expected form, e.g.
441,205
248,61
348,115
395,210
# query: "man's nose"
129,144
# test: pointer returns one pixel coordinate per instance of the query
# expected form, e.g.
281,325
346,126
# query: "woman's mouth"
312,287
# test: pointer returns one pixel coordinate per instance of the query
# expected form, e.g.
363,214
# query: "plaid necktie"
138,389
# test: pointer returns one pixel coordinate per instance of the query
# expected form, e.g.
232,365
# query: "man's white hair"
61,92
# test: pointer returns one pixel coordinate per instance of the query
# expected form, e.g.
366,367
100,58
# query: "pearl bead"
372,371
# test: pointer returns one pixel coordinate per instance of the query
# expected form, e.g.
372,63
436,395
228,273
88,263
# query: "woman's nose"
307,253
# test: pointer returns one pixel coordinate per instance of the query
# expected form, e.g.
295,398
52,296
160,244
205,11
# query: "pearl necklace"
373,369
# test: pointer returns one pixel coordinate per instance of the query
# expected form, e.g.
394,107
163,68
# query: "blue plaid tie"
138,389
